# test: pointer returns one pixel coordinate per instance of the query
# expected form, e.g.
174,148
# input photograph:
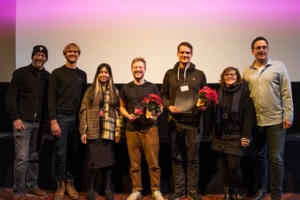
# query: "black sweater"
26,96
66,89
196,81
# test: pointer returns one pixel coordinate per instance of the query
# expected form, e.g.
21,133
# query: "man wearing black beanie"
26,106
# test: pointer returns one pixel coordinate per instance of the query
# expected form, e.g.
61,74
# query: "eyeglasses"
259,48
232,74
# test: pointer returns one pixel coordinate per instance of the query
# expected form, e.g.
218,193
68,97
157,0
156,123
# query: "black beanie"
39,48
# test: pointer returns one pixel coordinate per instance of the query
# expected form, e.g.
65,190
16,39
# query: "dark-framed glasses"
231,74
260,47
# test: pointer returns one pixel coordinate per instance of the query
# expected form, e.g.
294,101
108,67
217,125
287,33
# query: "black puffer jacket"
26,96
196,81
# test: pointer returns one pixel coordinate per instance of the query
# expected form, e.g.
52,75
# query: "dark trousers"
66,148
185,143
229,166
26,166
270,138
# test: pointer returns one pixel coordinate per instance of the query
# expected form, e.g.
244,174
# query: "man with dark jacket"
67,85
180,87
26,106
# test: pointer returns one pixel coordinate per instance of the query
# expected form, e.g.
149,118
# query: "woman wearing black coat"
232,120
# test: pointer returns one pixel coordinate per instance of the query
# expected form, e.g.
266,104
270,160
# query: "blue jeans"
272,138
185,143
26,166
65,148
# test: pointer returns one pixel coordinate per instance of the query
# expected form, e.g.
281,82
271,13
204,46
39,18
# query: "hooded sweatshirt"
195,79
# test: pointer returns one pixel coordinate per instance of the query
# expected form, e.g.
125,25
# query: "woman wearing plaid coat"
100,127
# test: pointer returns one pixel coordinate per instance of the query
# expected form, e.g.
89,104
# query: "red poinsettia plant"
154,105
207,95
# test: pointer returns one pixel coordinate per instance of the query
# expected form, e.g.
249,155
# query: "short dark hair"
185,44
239,79
257,39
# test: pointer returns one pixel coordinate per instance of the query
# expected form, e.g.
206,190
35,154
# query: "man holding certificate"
179,91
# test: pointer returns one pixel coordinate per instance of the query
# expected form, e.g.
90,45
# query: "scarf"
236,91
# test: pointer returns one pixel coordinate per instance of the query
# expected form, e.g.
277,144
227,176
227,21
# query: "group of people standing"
257,105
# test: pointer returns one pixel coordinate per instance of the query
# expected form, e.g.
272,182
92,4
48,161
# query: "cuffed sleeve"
12,96
286,92
248,113
83,114
165,92
52,91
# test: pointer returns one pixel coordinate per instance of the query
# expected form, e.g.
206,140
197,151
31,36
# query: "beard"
139,78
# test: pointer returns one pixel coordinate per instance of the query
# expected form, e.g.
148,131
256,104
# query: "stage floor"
7,193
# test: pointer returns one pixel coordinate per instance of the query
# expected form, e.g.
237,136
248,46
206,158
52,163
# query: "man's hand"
19,126
155,117
287,124
132,117
202,108
117,138
55,128
83,139
173,109
245,144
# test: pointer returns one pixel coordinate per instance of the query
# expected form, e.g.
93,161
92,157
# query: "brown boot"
18,198
59,194
71,192
37,193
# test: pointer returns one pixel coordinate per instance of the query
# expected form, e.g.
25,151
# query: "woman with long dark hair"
100,127
232,120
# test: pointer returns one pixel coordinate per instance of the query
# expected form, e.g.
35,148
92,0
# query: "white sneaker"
156,194
134,195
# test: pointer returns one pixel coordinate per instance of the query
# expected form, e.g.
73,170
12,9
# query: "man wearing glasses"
26,106
270,89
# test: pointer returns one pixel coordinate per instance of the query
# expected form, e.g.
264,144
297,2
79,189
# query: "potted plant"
154,105
206,95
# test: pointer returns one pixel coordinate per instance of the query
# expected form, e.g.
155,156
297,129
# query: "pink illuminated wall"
117,31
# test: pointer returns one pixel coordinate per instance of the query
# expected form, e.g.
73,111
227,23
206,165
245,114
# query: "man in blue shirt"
270,89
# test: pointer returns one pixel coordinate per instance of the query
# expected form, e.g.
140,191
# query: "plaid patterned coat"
89,119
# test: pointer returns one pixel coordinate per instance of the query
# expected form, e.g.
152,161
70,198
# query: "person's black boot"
227,194
90,194
261,192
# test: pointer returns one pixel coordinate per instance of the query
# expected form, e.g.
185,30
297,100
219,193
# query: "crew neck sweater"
66,89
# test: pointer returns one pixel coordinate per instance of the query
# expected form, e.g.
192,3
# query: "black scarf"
236,91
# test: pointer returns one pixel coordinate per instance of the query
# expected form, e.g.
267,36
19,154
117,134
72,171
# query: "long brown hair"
96,89
239,80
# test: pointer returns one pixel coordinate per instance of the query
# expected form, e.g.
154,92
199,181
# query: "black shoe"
109,195
261,193
90,194
176,195
194,195
227,194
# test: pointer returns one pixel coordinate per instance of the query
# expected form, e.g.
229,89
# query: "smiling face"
72,55
138,70
103,76
260,51
184,54
39,60
230,78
